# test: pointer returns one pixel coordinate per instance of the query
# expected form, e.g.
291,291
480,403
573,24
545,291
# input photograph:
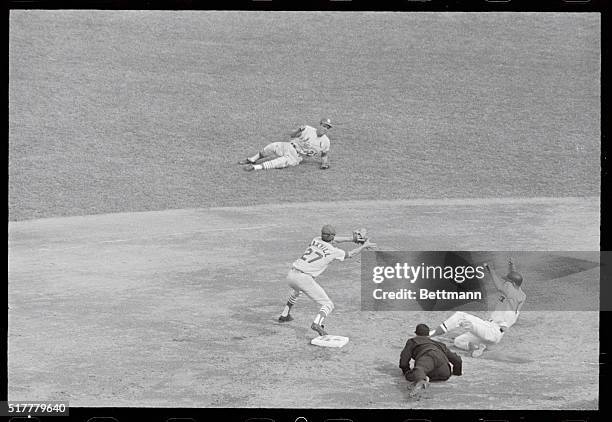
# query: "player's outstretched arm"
366,245
499,283
510,265
296,133
343,239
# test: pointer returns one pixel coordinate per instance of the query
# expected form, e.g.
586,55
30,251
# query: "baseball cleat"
418,387
285,318
249,167
245,161
319,329
478,350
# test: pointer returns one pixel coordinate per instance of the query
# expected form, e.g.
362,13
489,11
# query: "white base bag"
329,341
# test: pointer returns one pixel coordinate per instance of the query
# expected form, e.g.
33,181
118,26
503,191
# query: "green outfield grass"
134,111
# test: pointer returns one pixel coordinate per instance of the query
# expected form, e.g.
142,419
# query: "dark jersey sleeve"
406,355
453,358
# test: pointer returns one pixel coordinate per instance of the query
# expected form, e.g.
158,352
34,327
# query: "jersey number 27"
311,255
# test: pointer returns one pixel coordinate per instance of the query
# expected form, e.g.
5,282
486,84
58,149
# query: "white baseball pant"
480,332
302,282
286,155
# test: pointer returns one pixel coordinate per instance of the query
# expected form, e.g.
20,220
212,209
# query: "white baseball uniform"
305,144
308,144
504,316
311,264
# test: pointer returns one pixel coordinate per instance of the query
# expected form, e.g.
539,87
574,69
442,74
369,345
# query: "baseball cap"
326,122
328,229
422,330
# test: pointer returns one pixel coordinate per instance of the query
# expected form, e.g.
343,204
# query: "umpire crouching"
432,360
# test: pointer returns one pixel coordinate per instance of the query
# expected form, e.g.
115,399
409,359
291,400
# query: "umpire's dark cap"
422,330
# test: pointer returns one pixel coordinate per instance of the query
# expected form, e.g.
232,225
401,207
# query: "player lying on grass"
432,361
306,141
320,253
482,333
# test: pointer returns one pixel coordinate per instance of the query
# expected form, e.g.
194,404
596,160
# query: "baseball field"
147,269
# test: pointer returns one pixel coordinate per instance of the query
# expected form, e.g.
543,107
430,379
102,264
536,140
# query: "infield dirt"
179,308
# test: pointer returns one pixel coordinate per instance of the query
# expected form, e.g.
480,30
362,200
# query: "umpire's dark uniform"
431,358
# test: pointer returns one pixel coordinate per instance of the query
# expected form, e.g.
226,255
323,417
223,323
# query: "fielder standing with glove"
320,253
306,141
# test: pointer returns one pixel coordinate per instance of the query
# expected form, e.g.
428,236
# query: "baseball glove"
360,236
